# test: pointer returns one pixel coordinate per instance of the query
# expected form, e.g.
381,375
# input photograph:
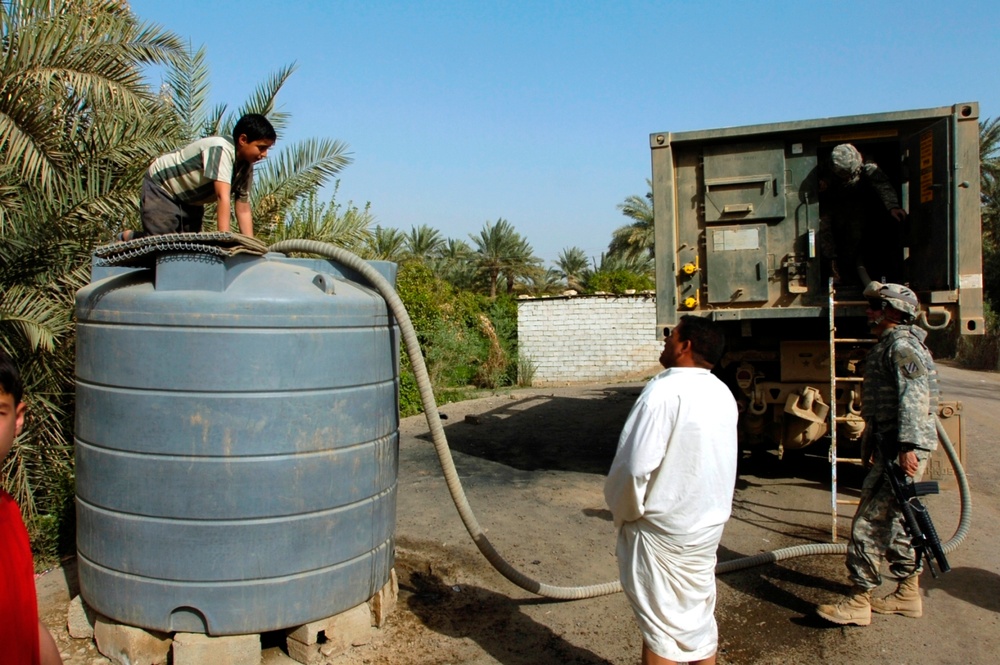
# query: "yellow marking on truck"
927,167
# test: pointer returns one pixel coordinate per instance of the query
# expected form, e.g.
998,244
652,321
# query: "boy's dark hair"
256,127
10,378
706,337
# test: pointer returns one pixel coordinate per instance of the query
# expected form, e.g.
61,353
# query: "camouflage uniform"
855,219
900,399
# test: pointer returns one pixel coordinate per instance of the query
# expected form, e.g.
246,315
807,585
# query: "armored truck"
750,232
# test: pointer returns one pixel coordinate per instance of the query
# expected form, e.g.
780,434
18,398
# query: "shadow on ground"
492,620
580,434
547,432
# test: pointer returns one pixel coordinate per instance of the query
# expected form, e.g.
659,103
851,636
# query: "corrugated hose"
523,581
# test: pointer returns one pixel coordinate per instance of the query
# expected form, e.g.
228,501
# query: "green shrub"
619,281
468,341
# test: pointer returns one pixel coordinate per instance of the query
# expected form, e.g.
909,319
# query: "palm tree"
544,282
989,179
349,227
453,264
500,250
77,128
989,150
424,242
387,244
572,265
637,237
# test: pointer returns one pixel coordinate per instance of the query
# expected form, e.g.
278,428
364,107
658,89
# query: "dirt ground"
532,462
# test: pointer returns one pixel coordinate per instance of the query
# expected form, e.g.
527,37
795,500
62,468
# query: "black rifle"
916,519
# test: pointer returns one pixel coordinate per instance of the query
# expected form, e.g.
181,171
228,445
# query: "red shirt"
18,604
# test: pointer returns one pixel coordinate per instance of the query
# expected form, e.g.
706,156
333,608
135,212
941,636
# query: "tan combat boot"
856,609
905,600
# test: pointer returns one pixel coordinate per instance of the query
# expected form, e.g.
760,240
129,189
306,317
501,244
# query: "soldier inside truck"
861,217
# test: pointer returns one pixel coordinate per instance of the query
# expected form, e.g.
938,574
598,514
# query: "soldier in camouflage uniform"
900,400
860,218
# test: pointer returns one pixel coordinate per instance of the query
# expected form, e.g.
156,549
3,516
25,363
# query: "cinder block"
384,601
199,649
80,620
316,642
128,645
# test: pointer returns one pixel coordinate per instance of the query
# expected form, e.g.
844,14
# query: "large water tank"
236,442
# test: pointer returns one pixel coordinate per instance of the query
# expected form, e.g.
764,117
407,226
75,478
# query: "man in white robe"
670,490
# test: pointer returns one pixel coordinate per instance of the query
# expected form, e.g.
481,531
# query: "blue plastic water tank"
236,442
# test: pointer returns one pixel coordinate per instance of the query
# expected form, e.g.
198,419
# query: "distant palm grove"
79,125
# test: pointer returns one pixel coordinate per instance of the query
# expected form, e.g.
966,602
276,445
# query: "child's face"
11,422
252,151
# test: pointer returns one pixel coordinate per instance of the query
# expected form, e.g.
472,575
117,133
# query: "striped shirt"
189,174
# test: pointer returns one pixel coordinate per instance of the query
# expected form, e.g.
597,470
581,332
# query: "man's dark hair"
256,127
10,378
706,337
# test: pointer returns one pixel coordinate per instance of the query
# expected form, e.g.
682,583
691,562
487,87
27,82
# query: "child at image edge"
24,640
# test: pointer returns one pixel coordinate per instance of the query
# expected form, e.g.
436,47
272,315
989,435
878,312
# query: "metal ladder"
834,418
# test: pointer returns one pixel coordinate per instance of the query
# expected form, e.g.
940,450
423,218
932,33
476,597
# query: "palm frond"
262,100
297,170
189,86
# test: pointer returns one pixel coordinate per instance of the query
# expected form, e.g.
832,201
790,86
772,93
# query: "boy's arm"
222,191
47,648
244,218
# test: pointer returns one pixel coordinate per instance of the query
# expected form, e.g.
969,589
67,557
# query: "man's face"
671,347
11,422
880,317
252,151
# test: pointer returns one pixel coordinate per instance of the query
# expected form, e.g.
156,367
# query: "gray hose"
523,581
437,431
841,548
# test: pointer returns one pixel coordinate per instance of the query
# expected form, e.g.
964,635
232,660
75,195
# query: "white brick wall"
588,338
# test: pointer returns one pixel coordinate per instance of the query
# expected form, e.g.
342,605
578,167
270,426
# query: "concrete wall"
588,338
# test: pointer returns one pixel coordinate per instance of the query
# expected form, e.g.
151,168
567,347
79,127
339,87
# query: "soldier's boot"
855,609
905,600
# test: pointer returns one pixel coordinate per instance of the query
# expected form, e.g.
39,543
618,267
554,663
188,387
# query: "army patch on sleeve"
909,364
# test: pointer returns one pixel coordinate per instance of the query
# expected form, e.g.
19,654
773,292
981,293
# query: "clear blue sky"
459,113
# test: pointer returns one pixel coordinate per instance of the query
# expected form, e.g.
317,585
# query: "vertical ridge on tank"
236,442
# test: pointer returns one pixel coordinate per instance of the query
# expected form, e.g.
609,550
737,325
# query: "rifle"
916,519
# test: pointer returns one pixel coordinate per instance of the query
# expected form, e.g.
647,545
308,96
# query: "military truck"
739,216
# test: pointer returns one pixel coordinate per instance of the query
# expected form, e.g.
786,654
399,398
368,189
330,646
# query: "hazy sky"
459,113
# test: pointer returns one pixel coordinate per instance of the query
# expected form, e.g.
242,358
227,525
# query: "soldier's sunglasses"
875,304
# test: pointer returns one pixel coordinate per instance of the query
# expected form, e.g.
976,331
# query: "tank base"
312,643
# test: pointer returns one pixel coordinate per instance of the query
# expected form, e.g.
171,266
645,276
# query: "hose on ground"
454,484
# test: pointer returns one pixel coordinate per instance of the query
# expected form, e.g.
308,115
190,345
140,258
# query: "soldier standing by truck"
901,393
860,219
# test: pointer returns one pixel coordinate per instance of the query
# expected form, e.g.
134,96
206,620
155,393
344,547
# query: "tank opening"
966,111
855,225
188,620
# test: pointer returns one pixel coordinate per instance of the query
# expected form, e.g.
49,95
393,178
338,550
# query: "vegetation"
76,126
79,125
984,352
635,239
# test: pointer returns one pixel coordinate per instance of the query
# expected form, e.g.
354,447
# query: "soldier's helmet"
846,162
900,298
